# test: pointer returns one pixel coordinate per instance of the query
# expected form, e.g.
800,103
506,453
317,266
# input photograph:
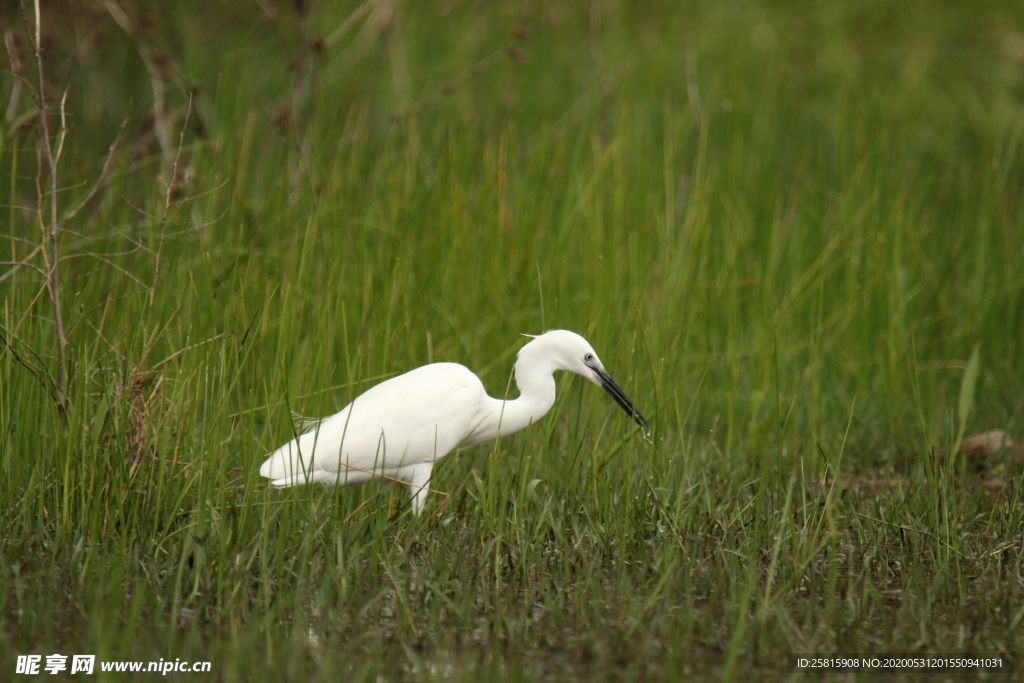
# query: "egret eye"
589,357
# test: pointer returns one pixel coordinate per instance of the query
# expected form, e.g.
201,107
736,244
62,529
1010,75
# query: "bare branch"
22,177
187,349
23,264
200,226
105,341
15,238
50,254
118,268
356,15
79,235
194,197
28,315
84,314
160,126
137,242
24,316
160,244
137,209
93,254
70,187
9,345
177,158
108,164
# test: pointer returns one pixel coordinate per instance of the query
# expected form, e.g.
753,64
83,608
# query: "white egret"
402,426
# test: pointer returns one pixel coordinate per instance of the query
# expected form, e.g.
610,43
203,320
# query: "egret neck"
534,375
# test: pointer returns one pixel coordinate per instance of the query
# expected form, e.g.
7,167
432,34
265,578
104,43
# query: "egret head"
566,350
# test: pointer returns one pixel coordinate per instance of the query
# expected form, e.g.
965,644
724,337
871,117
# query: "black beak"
616,392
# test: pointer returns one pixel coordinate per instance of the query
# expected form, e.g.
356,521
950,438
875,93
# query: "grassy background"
783,225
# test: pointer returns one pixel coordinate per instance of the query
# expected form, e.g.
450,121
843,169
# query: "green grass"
790,281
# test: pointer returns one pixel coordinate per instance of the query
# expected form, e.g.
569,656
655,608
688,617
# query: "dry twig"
51,151
147,341
161,127
50,232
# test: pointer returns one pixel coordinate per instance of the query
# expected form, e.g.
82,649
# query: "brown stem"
108,164
161,127
50,233
147,341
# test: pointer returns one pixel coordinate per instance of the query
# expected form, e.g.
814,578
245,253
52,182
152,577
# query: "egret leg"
418,477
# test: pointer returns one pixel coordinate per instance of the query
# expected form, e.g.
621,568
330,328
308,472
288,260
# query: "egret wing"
410,419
